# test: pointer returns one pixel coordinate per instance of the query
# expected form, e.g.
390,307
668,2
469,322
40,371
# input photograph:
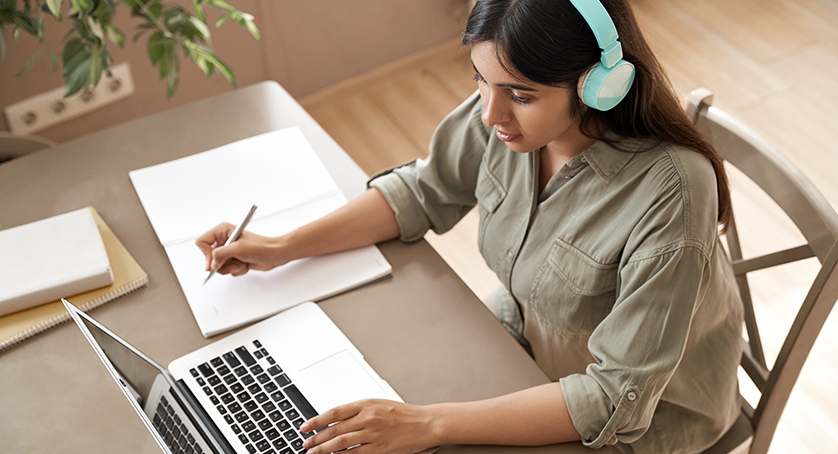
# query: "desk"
422,330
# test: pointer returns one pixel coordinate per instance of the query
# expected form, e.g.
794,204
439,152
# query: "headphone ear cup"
603,88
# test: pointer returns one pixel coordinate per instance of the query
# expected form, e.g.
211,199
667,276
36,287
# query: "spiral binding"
47,324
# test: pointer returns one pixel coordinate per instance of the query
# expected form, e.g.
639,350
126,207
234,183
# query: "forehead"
490,63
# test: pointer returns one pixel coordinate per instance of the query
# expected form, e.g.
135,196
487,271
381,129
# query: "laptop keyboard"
257,399
175,429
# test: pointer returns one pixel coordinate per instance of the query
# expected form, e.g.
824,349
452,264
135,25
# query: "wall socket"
50,108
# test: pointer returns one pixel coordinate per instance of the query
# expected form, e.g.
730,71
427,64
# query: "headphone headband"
606,83
603,27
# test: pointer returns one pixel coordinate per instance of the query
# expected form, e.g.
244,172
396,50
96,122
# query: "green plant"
85,56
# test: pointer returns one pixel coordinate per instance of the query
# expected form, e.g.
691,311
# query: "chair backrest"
817,222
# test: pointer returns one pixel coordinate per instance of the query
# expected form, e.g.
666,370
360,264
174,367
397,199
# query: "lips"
506,137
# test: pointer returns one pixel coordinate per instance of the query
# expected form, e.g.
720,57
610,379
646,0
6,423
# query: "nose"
494,112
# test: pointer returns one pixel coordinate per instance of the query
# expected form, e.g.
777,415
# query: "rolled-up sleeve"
638,347
437,191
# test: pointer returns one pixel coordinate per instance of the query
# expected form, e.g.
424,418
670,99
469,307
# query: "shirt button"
631,396
567,177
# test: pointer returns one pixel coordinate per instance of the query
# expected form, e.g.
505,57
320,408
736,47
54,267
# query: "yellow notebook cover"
128,276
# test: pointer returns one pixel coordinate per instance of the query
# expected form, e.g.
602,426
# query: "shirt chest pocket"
489,193
572,293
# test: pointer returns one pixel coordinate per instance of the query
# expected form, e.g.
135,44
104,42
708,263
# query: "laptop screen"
137,371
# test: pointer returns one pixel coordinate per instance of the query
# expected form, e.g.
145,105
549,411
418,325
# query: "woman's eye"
478,77
518,99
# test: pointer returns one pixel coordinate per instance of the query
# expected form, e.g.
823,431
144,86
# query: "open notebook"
278,171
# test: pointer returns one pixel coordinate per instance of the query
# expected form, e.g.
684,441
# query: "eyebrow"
513,86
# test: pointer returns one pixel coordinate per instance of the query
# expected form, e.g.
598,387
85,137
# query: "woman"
602,226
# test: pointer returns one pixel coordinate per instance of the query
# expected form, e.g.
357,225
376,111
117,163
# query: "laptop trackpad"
337,380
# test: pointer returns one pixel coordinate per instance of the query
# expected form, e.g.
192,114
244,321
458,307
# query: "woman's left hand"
373,426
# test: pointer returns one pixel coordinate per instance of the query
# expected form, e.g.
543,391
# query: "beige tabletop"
422,330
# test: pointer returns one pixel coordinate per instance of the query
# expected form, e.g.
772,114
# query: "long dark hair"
550,43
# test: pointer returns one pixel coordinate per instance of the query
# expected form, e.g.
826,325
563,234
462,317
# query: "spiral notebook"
128,276
280,173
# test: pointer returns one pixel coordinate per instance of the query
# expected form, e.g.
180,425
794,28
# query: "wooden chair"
818,224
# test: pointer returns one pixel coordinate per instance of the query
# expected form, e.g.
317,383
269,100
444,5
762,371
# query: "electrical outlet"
47,109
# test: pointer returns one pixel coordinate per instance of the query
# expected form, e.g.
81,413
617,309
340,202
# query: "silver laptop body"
246,393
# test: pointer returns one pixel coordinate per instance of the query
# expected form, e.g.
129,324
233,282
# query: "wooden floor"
770,63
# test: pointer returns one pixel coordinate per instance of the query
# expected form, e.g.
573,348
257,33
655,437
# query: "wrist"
279,250
438,425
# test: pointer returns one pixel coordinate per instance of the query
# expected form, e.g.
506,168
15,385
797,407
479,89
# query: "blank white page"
281,174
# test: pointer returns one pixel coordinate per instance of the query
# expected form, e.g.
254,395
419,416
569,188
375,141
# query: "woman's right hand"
249,252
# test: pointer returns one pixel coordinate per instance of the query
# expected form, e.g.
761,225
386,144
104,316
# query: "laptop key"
227,398
277,396
263,445
240,371
301,402
285,405
234,407
248,379
261,397
245,356
205,369
292,414
268,407
265,424
257,415
290,434
263,378
250,406
216,361
248,426
255,436
282,380
280,443
298,423
241,417
250,448
286,451
297,444
223,370
231,359
283,425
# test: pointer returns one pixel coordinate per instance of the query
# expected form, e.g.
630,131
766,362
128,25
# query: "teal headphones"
606,84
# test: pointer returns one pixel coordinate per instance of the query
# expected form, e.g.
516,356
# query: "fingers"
333,416
212,239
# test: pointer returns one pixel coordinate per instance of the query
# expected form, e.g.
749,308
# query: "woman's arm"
365,220
535,416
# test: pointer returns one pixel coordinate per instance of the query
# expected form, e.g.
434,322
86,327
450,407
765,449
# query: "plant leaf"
55,8
71,49
199,10
115,35
200,27
96,66
30,63
221,4
78,78
53,59
28,24
251,27
3,42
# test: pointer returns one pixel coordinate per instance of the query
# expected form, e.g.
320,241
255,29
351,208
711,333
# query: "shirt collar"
606,160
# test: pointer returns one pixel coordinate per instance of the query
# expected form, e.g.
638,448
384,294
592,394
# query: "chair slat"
740,267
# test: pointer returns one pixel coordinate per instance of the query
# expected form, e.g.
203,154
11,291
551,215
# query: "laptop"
246,393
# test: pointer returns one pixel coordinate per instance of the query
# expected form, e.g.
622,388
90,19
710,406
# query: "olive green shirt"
627,296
